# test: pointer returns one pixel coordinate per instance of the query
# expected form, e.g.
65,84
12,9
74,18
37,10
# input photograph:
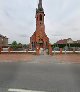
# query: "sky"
62,19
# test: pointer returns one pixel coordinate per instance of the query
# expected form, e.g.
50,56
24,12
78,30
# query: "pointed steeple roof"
40,8
40,4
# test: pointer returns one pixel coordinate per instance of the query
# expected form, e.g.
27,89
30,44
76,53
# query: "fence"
66,52
18,52
8,51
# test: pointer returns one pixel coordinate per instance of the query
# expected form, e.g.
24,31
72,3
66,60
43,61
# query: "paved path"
43,73
16,57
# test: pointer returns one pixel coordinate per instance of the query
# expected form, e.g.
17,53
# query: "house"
3,41
65,41
70,41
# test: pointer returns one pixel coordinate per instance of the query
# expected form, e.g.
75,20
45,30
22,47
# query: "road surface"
43,73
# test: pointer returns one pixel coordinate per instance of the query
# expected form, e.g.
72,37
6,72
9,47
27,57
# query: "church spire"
40,4
40,8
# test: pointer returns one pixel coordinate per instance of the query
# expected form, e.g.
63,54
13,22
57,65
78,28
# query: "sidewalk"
15,57
75,58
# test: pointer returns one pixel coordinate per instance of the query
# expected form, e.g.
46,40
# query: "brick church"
39,37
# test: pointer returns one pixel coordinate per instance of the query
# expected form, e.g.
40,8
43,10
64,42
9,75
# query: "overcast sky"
62,20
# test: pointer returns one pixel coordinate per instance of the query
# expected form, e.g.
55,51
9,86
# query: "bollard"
54,52
0,50
37,51
50,49
60,50
9,50
65,52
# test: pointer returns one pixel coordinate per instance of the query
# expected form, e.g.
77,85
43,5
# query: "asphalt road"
43,73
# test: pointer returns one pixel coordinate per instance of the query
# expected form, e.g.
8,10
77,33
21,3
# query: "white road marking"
21,90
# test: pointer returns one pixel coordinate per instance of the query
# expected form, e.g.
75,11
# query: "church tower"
39,38
39,15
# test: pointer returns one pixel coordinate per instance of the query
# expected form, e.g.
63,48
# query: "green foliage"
75,45
14,45
26,46
61,45
69,45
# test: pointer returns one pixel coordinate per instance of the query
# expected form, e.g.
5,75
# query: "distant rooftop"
2,36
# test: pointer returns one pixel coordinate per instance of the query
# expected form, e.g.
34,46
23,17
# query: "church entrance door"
41,51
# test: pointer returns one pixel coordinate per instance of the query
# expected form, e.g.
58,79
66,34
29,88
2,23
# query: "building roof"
40,8
62,41
3,36
65,41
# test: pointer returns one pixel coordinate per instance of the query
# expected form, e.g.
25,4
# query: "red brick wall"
39,34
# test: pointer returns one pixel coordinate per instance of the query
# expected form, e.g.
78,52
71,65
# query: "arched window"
46,43
32,43
40,17
37,17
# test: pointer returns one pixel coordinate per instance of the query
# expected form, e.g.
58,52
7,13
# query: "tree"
26,46
14,45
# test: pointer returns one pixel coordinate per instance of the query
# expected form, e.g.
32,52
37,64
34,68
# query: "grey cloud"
23,35
17,17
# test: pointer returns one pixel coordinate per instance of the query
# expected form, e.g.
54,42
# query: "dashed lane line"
21,90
